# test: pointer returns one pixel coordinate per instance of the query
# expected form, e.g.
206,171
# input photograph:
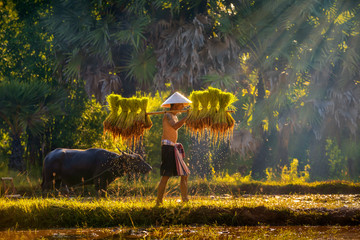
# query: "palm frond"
73,64
142,66
132,33
29,105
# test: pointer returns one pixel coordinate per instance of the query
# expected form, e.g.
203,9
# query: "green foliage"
289,66
142,66
27,107
270,175
24,45
236,178
293,175
337,162
63,129
289,175
4,142
89,132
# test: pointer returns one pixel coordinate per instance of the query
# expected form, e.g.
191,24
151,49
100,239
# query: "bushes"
289,175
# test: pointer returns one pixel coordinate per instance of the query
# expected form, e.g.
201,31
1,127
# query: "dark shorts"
168,164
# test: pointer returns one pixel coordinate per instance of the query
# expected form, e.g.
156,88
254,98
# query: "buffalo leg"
48,181
101,186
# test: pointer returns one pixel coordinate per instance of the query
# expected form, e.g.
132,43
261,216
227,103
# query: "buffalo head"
134,163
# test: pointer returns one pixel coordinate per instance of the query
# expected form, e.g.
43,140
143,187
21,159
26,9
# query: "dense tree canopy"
293,64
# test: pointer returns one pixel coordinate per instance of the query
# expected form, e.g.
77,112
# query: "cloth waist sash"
181,167
167,142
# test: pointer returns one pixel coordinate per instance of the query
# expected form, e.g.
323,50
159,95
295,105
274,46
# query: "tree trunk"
16,157
33,148
282,146
260,158
319,166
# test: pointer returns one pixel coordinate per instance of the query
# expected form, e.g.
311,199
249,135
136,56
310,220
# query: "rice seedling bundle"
129,123
210,109
204,110
127,118
147,124
110,122
192,120
121,121
223,122
214,95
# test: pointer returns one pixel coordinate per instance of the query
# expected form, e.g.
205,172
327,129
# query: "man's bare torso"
169,132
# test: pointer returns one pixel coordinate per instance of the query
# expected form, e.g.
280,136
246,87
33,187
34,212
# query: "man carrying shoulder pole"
172,153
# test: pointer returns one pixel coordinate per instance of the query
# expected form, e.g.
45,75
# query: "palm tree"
315,42
26,106
329,61
99,43
114,45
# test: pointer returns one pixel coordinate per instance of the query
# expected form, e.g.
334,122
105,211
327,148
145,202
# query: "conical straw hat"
176,98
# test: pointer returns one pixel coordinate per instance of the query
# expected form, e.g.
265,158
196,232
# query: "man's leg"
184,188
161,189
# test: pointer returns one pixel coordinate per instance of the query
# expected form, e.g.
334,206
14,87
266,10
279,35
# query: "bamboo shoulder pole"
176,111
163,112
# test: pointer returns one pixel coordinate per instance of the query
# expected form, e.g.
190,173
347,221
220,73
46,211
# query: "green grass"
29,185
136,211
224,200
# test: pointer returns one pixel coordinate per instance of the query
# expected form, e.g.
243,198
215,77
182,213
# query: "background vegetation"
293,64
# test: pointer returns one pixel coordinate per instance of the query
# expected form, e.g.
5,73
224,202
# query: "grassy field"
236,186
223,210
222,201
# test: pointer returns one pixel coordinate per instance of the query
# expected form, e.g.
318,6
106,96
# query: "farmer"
172,153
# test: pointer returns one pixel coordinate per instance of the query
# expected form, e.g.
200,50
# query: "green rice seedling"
147,123
131,122
122,116
192,120
209,110
214,95
130,129
203,121
111,119
223,122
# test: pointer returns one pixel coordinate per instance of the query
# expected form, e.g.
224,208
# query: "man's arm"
175,125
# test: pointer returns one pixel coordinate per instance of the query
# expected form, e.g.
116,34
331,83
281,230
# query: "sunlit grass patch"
28,185
223,210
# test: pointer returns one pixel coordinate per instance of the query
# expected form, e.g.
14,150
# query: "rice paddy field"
190,232
217,210
257,210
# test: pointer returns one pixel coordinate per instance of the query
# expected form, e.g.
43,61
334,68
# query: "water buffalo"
72,167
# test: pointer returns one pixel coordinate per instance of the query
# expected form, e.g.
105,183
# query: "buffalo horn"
122,152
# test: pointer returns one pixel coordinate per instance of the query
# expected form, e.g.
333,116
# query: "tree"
26,106
120,46
24,44
315,43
